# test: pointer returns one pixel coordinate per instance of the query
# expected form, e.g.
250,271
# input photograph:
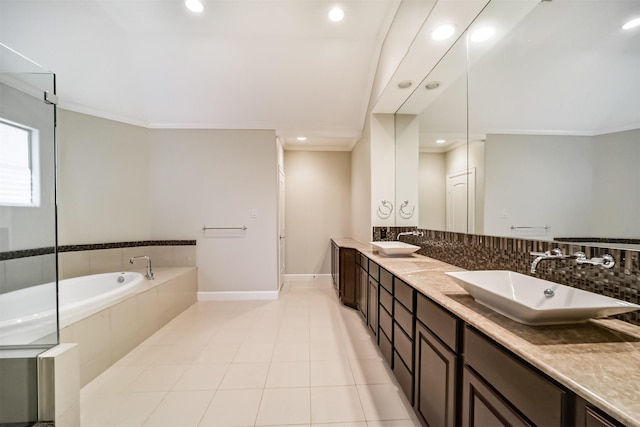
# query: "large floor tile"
382,402
290,352
113,380
331,373
245,375
284,406
119,410
232,408
156,378
300,361
183,408
370,371
288,374
202,377
335,405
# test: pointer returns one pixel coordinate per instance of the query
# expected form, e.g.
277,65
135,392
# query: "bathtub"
28,316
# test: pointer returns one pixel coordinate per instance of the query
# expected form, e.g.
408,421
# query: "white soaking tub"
29,316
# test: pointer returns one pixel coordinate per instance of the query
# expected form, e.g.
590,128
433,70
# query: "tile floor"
303,360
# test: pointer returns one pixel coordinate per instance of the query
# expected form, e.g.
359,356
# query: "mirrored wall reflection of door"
460,204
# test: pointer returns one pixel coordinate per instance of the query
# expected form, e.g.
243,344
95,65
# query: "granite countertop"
598,360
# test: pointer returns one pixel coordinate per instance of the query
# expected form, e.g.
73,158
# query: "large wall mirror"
530,125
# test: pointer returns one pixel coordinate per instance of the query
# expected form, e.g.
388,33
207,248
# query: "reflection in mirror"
553,121
440,129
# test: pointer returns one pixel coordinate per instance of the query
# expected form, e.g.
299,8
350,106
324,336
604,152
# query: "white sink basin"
533,301
394,248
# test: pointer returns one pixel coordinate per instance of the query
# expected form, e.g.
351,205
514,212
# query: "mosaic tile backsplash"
474,252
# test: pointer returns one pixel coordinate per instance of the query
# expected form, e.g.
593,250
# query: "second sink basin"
534,301
394,247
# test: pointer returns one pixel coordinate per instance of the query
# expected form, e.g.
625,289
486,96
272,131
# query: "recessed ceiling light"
336,14
440,141
194,5
482,34
432,85
405,84
443,32
301,138
631,24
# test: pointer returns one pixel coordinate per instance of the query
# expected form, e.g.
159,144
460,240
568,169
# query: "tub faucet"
554,254
410,233
149,274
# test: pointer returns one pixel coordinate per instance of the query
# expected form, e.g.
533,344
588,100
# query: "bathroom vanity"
460,363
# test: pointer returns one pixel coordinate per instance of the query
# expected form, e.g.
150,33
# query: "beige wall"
318,207
219,178
119,182
103,180
361,188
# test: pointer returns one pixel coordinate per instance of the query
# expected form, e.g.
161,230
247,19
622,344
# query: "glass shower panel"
28,266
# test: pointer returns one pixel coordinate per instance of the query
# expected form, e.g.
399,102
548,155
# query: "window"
19,183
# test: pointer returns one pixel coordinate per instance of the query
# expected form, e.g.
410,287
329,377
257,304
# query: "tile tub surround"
93,260
474,252
597,360
106,336
21,269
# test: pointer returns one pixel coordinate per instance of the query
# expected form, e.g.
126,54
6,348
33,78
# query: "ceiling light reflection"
443,32
336,14
194,5
482,34
631,24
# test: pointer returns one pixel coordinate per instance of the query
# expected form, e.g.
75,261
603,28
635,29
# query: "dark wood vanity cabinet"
589,416
344,273
385,315
500,390
363,285
404,336
372,297
437,365
452,374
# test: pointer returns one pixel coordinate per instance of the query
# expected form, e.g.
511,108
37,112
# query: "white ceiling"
263,64
566,68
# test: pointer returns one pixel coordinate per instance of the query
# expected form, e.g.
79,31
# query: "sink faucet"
554,254
410,233
149,274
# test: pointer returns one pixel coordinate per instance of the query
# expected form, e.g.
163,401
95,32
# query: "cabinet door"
362,295
589,416
347,273
435,380
482,407
372,315
334,264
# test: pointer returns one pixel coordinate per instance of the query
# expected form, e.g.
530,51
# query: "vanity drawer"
374,270
386,280
530,392
404,377
405,294
364,262
386,348
385,321
386,299
442,323
404,318
403,345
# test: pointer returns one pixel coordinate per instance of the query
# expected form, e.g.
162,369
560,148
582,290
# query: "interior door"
281,233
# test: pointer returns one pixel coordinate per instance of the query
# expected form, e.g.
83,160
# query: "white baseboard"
305,277
238,295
